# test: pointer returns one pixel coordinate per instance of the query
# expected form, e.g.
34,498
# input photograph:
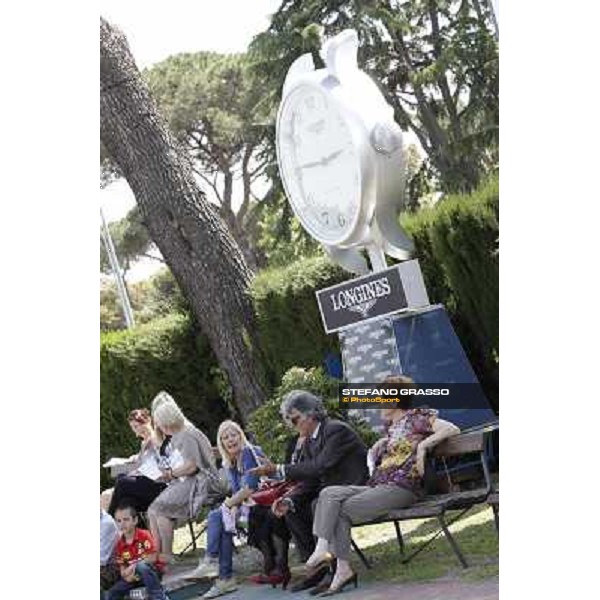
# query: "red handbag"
270,491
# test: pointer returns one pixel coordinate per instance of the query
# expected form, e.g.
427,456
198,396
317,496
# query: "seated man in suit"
333,454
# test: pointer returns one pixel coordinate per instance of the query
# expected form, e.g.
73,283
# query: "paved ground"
437,590
440,589
247,561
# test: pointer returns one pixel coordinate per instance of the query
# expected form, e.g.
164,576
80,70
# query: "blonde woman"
191,465
238,456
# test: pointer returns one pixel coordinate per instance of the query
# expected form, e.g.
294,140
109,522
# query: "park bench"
439,504
202,520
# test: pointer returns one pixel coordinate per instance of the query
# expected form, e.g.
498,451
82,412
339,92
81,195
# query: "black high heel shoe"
340,588
326,583
283,578
311,580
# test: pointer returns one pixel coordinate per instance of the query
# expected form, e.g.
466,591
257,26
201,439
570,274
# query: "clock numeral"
317,127
341,220
325,217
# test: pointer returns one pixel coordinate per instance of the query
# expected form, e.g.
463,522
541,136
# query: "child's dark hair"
127,506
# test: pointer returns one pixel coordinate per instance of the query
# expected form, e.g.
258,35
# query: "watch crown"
385,139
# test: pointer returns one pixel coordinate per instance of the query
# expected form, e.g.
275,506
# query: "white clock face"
319,163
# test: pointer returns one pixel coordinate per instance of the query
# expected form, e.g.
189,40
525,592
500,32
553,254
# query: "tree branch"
210,183
227,190
429,118
260,167
246,179
158,258
441,78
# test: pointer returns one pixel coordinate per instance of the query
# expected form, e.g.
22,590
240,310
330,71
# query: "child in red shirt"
136,557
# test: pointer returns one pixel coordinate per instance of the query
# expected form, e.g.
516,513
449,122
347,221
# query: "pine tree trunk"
204,258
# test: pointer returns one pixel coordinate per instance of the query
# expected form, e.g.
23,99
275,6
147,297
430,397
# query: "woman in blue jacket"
238,457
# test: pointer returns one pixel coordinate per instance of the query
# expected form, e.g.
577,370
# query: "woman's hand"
268,468
378,447
167,474
230,505
441,430
281,507
420,459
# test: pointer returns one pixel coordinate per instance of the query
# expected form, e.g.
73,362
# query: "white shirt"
315,433
109,534
313,436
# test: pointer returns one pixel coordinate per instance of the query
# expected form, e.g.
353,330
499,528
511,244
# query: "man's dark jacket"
336,457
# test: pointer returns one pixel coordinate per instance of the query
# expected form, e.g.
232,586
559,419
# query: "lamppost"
116,269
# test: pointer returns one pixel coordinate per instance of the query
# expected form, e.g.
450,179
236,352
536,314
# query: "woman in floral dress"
398,462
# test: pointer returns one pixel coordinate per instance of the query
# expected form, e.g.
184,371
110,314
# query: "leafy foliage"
420,180
282,239
136,364
153,298
109,172
466,232
111,313
209,101
289,324
213,106
130,239
270,431
457,246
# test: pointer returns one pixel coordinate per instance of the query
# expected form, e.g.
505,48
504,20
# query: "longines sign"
362,299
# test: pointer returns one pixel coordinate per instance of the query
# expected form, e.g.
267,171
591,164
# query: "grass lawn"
475,534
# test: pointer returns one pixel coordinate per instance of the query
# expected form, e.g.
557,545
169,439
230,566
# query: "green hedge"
465,240
457,246
288,318
135,365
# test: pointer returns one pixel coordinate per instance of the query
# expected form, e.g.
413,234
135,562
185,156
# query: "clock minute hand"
330,157
322,162
310,165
